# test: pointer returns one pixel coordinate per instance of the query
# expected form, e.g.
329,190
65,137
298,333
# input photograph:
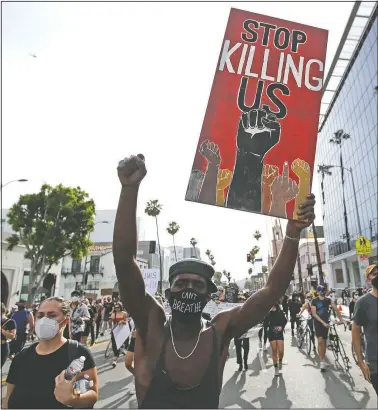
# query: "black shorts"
275,336
131,347
320,330
87,329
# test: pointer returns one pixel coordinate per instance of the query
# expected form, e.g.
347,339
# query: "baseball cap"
369,269
320,288
197,267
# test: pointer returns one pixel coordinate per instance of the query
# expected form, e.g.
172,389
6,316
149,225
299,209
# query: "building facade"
183,252
101,272
15,275
347,149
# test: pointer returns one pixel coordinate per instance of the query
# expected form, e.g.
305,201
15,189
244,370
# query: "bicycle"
362,335
109,350
304,335
337,346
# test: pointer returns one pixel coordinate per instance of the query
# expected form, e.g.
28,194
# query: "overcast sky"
114,79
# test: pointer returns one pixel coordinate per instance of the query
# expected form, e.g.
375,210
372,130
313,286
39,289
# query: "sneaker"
280,367
265,348
276,371
245,366
240,367
322,366
114,364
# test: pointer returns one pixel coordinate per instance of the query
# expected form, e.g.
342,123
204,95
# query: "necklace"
194,348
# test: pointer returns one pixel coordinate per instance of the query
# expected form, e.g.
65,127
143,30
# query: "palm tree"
194,242
218,278
250,270
257,235
173,228
339,137
153,208
227,275
324,170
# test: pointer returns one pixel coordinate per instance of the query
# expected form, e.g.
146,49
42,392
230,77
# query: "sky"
115,79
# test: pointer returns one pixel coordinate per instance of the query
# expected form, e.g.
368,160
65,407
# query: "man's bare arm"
259,304
137,303
337,311
356,341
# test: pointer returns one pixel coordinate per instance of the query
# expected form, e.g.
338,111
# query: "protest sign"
256,149
151,280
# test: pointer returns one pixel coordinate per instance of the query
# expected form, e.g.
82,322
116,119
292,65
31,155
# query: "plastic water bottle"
83,385
74,368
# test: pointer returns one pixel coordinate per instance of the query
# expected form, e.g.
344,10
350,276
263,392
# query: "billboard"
257,145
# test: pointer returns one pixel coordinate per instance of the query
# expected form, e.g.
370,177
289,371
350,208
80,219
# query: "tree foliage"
173,228
51,224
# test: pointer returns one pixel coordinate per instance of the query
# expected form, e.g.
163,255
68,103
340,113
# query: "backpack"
21,319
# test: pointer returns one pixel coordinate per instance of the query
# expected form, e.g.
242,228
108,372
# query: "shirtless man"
180,363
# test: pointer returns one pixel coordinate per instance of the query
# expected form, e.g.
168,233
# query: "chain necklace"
194,348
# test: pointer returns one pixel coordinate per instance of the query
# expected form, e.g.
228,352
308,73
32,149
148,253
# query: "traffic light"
152,247
248,257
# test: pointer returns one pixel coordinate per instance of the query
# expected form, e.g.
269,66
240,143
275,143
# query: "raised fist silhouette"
211,152
269,174
258,132
224,179
132,170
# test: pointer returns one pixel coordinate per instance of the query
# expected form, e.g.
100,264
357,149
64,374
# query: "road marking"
262,363
3,379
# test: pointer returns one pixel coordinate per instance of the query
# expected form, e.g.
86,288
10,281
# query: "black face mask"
187,305
21,307
374,282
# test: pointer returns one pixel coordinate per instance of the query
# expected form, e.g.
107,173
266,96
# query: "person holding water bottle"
43,375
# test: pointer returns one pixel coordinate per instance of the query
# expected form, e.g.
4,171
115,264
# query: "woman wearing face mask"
118,318
80,315
36,375
276,321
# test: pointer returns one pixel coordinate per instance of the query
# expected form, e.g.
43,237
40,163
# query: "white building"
15,271
183,252
101,272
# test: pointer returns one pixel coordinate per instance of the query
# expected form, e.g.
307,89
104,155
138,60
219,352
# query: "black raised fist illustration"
258,132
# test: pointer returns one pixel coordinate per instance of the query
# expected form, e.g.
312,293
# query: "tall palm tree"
324,170
339,137
250,270
173,228
257,235
194,242
153,208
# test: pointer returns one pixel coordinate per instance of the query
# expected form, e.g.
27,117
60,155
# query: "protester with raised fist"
180,363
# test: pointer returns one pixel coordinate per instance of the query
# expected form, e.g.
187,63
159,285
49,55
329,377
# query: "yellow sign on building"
363,246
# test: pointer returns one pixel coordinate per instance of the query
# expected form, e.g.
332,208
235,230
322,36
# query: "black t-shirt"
108,307
8,325
322,307
33,376
276,321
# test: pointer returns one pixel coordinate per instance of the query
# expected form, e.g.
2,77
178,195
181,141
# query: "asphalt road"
301,385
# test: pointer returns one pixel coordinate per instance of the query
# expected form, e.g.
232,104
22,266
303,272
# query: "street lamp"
86,256
14,180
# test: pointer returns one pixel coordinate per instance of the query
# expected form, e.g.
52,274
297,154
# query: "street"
302,385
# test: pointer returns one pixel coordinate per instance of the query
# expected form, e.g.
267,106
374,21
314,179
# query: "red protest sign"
256,149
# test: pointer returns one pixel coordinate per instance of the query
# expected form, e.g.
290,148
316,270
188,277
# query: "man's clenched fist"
132,170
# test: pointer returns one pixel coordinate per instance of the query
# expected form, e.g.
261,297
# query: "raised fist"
132,170
258,132
211,152
224,179
301,169
269,174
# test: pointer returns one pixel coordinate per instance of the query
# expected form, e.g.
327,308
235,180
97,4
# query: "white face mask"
75,299
46,329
